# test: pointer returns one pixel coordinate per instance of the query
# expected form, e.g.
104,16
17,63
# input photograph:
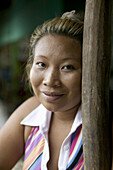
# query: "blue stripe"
36,163
75,154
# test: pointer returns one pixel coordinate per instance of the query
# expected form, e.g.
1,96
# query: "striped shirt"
37,148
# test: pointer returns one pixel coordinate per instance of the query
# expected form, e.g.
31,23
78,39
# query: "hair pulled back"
70,24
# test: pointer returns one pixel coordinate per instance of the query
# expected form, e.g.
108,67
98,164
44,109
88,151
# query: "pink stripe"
80,164
35,156
33,144
75,141
33,132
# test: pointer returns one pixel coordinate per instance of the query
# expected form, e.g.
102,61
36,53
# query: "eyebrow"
69,58
64,59
41,56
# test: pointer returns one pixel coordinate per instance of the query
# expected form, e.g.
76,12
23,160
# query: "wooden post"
95,84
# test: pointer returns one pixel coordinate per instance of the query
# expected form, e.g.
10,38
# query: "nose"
52,78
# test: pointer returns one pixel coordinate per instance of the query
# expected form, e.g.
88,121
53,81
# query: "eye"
68,68
40,65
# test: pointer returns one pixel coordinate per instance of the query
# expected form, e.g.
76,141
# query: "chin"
51,107
59,106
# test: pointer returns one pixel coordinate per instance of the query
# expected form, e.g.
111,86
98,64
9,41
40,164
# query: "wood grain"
95,85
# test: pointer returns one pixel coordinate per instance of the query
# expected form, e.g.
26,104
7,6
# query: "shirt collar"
77,121
41,117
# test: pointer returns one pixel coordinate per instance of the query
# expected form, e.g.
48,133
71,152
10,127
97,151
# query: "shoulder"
25,109
15,132
28,106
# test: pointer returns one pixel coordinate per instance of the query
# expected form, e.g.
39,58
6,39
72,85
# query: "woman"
52,133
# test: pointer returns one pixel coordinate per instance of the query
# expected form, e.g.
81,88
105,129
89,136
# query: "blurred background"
18,19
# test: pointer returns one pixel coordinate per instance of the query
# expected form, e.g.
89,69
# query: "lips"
52,96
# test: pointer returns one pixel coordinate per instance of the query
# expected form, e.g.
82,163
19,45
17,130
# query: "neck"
66,116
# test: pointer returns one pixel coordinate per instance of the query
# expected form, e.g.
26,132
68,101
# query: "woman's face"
56,72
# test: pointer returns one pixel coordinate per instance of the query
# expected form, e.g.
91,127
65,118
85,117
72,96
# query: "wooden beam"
95,85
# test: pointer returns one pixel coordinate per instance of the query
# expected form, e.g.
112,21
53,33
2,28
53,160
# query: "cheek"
73,82
35,78
76,86
76,89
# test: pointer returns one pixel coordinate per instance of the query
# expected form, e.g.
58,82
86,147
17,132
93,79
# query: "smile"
51,96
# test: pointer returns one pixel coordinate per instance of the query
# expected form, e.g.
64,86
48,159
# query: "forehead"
58,44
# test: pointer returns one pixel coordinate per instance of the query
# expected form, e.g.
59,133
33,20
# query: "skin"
56,71
13,136
56,80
